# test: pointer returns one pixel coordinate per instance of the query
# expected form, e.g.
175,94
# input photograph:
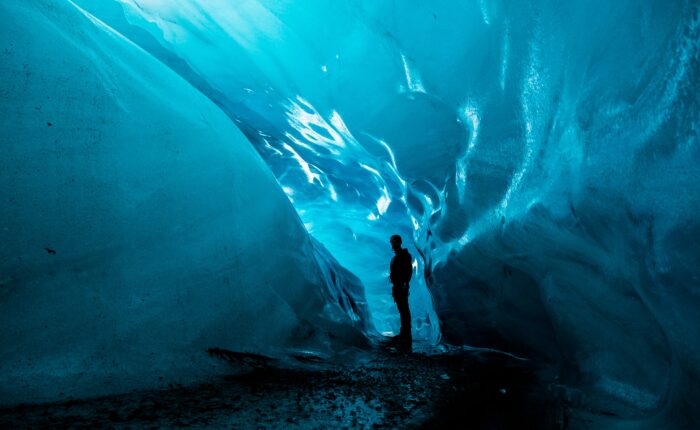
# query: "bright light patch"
412,78
383,202
311,126
288,191
310,176
333,194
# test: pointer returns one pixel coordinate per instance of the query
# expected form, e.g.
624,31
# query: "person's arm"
407,267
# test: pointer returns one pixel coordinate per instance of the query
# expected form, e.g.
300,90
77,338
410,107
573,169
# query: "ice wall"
544,156
255,61
138,226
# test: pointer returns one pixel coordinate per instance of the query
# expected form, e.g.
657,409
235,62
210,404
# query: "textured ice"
134,235
256,63
543,156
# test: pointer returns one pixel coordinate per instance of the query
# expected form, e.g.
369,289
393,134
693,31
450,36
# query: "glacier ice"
542,156
341,183
134,235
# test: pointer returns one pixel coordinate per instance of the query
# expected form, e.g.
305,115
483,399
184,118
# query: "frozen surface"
277,79
542,156
134,236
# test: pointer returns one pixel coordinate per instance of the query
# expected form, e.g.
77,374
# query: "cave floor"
389,389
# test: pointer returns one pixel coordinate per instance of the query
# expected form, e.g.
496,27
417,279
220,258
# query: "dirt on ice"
388,389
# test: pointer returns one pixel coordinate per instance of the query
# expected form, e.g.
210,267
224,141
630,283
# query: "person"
401,269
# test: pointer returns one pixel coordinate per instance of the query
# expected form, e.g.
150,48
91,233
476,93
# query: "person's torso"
400,267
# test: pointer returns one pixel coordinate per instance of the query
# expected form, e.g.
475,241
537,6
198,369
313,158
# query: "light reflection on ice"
311,176
413,80
485,12
322,145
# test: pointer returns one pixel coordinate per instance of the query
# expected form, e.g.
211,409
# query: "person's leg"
396,295
405,313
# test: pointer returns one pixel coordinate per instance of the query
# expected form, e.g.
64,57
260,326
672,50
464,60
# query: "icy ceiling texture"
543,158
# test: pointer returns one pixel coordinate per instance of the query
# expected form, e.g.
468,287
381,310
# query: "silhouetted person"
401,269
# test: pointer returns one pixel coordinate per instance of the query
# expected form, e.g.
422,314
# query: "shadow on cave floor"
388,390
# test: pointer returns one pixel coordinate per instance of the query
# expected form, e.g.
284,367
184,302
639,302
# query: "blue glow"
540,160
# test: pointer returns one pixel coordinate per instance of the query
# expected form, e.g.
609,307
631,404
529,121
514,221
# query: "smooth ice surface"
134,236
543,156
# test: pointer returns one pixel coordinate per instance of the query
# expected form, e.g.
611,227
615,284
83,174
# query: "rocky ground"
389,389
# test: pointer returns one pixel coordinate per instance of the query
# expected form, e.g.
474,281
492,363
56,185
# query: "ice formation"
542,156
139,227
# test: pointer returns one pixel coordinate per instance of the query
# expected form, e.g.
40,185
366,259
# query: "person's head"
395,242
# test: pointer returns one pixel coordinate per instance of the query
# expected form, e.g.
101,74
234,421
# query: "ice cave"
182,176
